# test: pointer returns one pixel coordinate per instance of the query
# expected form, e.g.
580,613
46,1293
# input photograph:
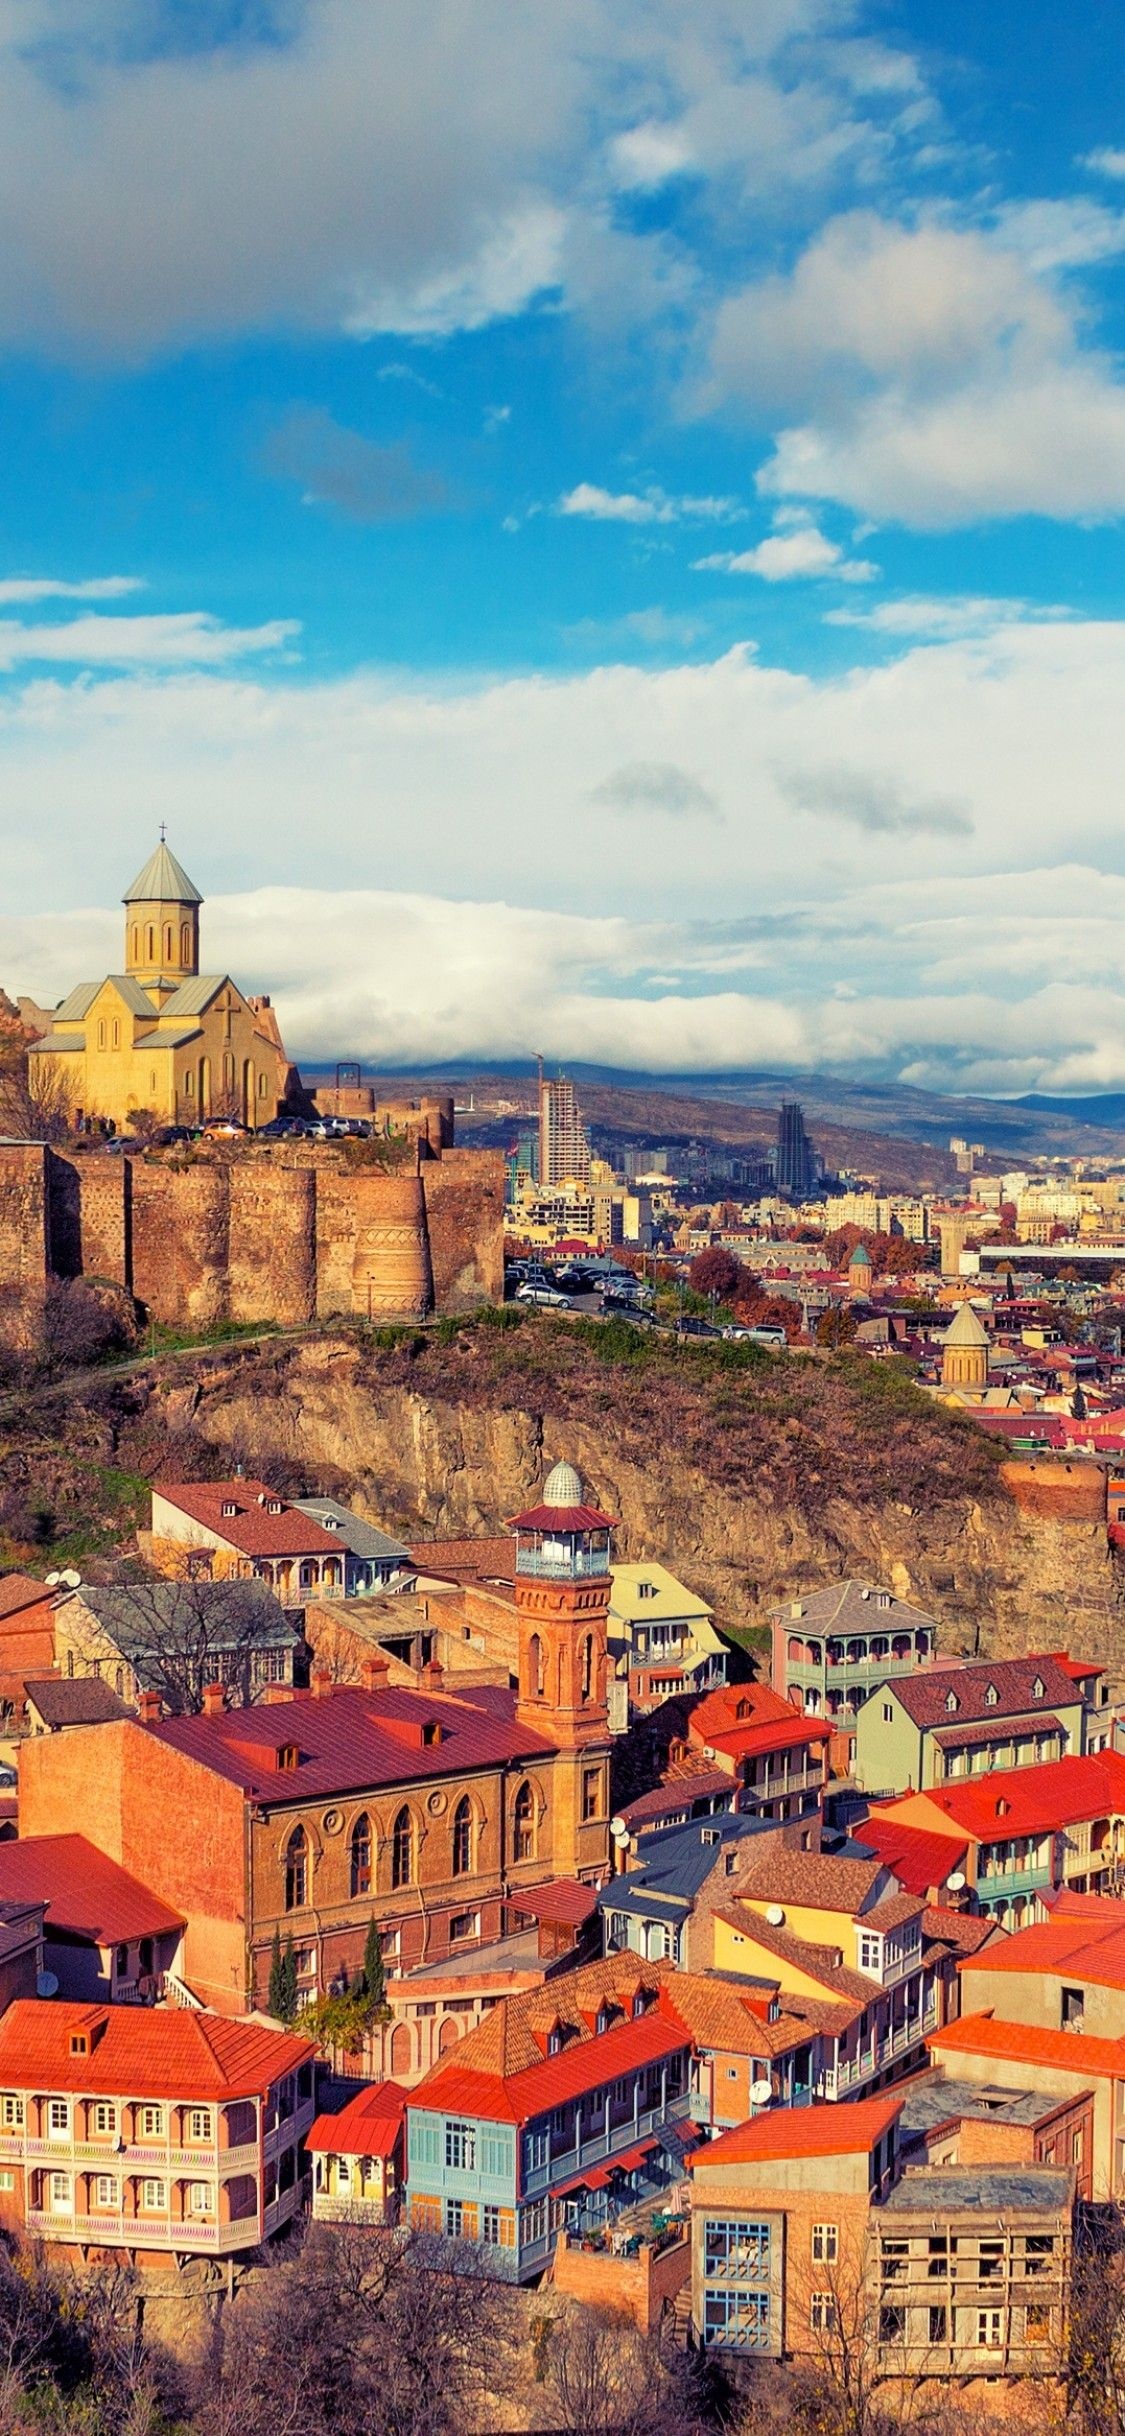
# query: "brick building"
1027,1831
163,2136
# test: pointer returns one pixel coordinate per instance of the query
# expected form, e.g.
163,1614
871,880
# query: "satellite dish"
71,1579
51,1578
619,1831
775,1915
708,1750
956,1882
46,1984
760,2093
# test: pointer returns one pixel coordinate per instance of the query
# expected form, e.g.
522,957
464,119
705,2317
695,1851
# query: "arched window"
523,1825
135,949
167,943
263,1086
150,944
588,1667
535,1667
185,943
297,1871
463,1838
116,1034
228,1070
361,1856
101,1032
402,1849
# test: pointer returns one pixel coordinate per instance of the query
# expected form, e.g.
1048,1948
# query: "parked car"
224,1128
167,1135
547,1296
698,1327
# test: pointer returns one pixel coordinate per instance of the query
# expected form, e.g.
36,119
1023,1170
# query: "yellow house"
162,1036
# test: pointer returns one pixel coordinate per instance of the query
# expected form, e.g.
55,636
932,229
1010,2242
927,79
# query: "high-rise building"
564,1144
796,1165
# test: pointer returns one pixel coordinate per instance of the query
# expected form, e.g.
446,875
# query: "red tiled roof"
678,1794
368,2126
585,2064
735,1707
992,1729
1076,1668
753,1741
143,2051
253,1530
84,1890
1025,2043
923,1695
967,1931
563,1518
919,1856
563,1899
19,1591
1035,1801
1084,1945
348,1740
804,2131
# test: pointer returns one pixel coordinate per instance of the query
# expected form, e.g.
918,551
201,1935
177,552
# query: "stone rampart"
287,1234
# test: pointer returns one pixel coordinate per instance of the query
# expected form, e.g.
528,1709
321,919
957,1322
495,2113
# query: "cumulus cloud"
1106,161
27,589
369,481
184,638
799,548
656,786
941,378
943,618
642,507
873,802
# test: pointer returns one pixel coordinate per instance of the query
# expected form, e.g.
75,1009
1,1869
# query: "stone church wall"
270,1236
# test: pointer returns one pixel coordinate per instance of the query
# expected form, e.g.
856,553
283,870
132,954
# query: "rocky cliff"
752,1483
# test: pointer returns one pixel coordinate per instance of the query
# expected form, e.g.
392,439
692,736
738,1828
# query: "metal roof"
360,1538
84,1891
162,881
77,1003
194,997
349,1740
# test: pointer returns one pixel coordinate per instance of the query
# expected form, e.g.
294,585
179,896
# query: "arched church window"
523,1825
296,1870
185,943
535,1666
150,944
361,1855
101,1032
167,943
463,1838
588,1666
402,1849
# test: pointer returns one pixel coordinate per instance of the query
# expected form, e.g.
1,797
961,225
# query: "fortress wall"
272,1242
181,1241
24,1240
1057,1491
372,1254
464,1193
105,1193
335,1233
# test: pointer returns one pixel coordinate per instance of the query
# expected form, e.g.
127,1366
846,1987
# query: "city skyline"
626,517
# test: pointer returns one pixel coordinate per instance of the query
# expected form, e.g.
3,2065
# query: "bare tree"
605,2377
179,1637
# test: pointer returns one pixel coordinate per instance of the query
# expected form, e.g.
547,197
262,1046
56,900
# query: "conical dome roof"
861,1257
562,1486
162,882
966,1329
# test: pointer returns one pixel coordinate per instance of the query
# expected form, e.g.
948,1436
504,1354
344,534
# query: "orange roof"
84,1891
1025,2043
142,2051
1083,1945
920,1857
804,2131
252,1528
18,1592
1033,1801
368,2126
737,1706
585,2064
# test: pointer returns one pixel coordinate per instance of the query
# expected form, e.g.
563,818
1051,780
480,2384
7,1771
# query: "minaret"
162,924
563,1589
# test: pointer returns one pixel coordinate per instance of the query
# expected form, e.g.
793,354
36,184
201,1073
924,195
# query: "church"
161,1036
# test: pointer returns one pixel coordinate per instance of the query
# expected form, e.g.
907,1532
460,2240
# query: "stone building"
161,1036
964,1352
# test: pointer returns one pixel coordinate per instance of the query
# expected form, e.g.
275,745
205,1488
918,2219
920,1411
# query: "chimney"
320,1683
150,1708
275,1692
213,1700
434,1674
374,1671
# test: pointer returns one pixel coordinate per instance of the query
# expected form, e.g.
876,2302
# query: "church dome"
562,1486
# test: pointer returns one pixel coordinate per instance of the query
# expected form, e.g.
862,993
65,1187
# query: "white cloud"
800,549
1107,161
186,638
1061,234
942,380
29,588
643,507
513,265
942,619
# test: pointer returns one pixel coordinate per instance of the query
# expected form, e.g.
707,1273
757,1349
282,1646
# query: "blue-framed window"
735,2319
736,2249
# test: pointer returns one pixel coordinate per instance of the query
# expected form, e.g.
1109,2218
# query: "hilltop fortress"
244,1229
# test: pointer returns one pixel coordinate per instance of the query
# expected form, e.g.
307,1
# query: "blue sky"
597,525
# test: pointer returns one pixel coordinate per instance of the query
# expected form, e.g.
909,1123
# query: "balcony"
586,1564
865,1673
600,2150
147,2233
994,1885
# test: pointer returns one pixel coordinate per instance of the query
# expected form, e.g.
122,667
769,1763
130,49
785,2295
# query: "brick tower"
562,1605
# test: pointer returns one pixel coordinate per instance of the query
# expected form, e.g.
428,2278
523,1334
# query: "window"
463,1926
297,1871
58,2118
989,2326
1037,1688
185,943
490,2225
402,1849
105,2195
591,1792
1037,2322
455,2218
361,1855
588,1667
736,2248
103,2118
197,2123
101,1032
871,1955
939,2323
737,2320
892,2324
1039,2249
1073,2006
952,1703
991,2262
463,1838
60,2195
461,2146
991,1697
523,1825
822,2312
11,2112
825,2244
888,1713
153,2199
150,2122
197,2199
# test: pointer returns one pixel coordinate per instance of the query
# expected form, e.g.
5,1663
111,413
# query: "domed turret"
562,1486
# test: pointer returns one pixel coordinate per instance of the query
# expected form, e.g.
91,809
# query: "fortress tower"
563,1590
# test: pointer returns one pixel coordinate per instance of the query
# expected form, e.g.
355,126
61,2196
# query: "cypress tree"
374,1978
288,2007
275,2000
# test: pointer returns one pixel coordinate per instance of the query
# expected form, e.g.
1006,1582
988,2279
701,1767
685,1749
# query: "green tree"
373,1975
287,1984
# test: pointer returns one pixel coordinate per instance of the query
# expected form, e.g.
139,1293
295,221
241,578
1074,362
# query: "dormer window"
646,1590
991,1697
431,1733
330,1522
602,2022
228,1506
952,1702
554,2041
638,2005
288,1755
274,1506
1037,1688
80,2042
